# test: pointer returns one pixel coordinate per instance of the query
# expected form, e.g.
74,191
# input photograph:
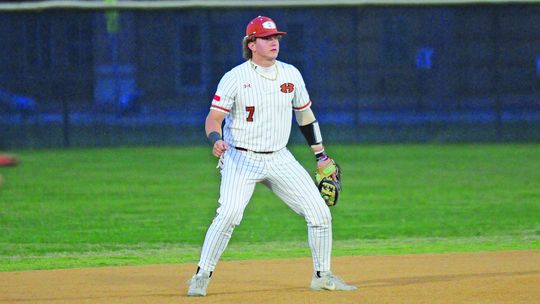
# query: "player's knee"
322,218
326,219
229,216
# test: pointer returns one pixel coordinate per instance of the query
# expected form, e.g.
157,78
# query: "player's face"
266,48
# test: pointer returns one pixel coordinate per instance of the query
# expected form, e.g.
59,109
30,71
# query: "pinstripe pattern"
287,179
271,126
273,102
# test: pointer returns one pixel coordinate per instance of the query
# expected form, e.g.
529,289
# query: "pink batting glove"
324,163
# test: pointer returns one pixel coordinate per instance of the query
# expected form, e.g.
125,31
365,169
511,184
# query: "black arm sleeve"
312,133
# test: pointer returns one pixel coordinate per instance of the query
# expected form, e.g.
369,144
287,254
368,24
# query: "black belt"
246,150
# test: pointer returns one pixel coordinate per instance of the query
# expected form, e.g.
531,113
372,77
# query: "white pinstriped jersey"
260,109
260,118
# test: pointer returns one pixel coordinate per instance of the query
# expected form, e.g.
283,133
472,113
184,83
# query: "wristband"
320,156
213,137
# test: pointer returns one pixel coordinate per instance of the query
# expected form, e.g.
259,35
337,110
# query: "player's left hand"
327,167
328,177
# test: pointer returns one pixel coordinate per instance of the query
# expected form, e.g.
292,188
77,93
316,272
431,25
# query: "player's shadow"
390,282
439,278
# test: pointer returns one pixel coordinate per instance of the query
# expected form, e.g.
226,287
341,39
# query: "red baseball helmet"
262,27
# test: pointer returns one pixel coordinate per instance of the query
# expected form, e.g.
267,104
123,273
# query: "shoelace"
199,282
336,279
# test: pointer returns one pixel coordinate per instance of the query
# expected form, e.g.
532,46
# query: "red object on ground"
7,160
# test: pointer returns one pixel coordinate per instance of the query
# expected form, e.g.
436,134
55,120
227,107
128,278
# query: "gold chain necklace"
254,67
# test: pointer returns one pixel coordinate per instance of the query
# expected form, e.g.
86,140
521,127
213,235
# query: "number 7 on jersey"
251,111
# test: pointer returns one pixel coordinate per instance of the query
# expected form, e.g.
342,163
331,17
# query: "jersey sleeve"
225,94
301,99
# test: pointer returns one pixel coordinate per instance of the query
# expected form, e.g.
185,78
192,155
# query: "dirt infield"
496,277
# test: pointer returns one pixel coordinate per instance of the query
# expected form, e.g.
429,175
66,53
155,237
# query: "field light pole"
65,120
355,77
496,78
112,28
63,92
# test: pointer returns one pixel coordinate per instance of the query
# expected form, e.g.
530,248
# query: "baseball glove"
328,178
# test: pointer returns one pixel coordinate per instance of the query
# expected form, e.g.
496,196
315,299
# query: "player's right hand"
219,148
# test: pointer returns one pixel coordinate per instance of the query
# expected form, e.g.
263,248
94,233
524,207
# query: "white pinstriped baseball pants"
287,179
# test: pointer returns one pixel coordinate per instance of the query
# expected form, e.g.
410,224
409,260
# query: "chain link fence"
431,73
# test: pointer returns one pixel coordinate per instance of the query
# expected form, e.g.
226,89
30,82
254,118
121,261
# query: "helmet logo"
269,25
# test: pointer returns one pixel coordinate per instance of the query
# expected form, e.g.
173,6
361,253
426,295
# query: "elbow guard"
312,133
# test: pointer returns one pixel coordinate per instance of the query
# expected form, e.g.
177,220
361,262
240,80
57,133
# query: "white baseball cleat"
330,282
198,284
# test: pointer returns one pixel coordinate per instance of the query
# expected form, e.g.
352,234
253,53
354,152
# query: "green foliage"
91,207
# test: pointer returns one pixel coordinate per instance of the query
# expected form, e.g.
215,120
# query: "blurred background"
135,73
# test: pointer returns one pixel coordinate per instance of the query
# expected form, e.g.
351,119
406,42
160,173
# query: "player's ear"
251,45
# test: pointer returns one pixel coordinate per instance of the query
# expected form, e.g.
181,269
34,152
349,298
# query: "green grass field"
129,206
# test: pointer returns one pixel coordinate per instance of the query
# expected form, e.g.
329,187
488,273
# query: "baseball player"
256,99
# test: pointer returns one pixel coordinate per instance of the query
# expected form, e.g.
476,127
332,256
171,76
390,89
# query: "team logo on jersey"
217,98
287,87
